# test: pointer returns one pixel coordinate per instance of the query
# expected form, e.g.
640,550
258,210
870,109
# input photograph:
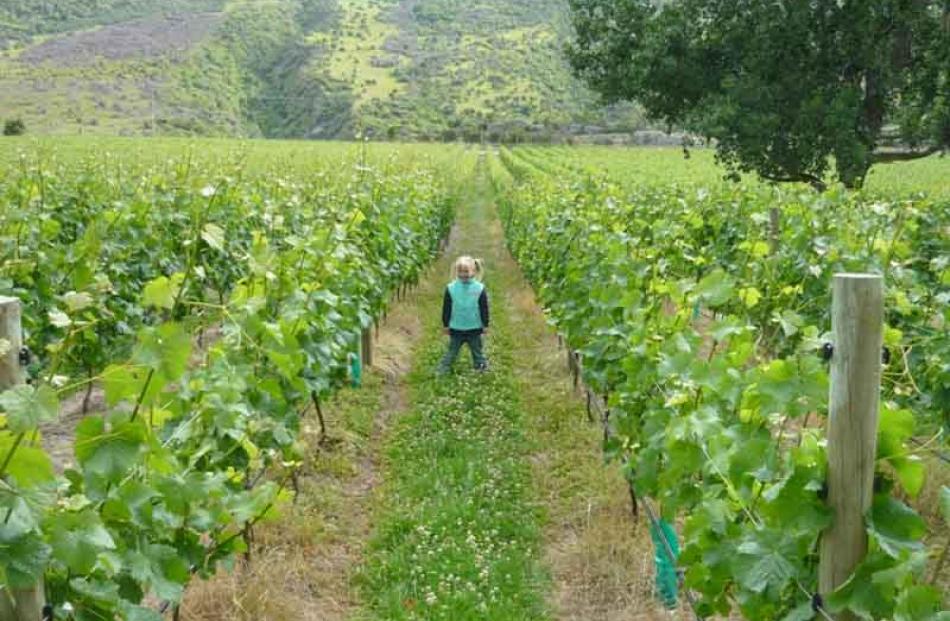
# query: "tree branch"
881,157
812,180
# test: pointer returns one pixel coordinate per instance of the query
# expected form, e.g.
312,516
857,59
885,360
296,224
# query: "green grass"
930,175
459,536
651,165
459,528
255,157
668,165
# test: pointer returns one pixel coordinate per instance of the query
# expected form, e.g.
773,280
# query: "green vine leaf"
716,288
30,466
895,526
921,603
77,539
802,612
77,301
23,558
213,235
759,568
109,448
863,594
160,568
131,612
162,291
895,428
164,349
27,406
100,591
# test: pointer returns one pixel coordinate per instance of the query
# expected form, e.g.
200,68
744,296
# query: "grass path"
458,533
496,503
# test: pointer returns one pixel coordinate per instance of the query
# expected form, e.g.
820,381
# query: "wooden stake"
775,228
367,348
29,602
572,366
857,325
15,604
7,611
11,334
316,406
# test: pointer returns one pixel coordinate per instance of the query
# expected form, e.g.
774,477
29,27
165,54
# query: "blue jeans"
455,346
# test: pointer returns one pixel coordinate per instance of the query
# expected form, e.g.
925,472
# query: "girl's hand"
445,331
485,331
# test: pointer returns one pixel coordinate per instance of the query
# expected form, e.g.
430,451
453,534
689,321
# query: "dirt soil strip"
335,560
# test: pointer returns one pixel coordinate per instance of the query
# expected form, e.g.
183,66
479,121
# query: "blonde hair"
476,265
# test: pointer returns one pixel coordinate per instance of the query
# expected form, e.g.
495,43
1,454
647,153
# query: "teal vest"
465,315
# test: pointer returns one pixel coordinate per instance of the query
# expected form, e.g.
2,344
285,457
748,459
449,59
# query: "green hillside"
396,69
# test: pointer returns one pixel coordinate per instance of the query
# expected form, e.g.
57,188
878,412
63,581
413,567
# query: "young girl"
465,313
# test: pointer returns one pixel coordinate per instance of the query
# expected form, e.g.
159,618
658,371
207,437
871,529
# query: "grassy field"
256,157
667,165
650,165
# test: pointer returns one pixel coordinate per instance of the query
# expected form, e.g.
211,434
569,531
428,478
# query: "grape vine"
701,314
118,270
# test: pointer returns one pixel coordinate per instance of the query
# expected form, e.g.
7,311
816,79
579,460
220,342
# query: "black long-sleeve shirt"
482,311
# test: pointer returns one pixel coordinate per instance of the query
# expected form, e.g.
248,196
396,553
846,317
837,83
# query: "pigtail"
479,269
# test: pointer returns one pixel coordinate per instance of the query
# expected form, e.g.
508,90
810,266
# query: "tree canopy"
785,88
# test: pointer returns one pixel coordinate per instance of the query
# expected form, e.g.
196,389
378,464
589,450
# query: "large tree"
783,87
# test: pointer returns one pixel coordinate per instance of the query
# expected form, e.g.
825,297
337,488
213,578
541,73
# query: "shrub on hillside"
14,127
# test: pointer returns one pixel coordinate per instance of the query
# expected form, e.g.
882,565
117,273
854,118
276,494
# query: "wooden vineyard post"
10,371
367,348
775,228
15,604
572,367
857,317
29,604
7,611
